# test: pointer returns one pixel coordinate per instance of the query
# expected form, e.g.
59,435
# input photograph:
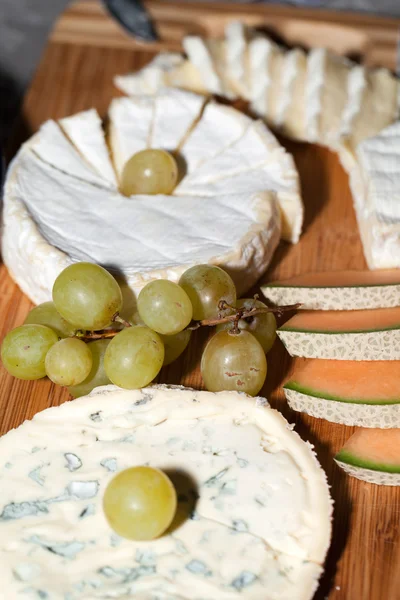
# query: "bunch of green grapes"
70,339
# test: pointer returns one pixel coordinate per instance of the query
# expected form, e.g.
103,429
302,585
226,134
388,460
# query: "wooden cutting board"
85,51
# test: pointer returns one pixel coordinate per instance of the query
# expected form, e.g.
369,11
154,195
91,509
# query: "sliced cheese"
175,112
313,92
131,121
375,185
55,149
199,54
292,115
356,83
277,85
150,78
259,73
333,99
254,509
187,77
217,50
236,44
254,148
219,127
379,106
86,133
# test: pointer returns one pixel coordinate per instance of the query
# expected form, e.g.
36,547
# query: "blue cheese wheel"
254,510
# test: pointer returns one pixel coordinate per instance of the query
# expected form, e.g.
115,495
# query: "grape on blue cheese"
55,540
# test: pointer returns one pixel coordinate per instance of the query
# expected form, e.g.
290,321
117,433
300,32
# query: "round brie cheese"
62,203
254,511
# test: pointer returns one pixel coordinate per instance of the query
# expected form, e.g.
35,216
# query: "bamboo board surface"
75,74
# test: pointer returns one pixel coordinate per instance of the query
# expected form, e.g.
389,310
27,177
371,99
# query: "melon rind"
380,416
368,345
370,475
335,298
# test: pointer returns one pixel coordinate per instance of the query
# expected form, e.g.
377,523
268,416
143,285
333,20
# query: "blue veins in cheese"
251,523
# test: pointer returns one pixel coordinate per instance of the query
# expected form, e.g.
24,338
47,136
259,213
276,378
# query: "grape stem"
240,313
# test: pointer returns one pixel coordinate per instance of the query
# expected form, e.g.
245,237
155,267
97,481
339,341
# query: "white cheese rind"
236,56
85,131
370,476
131,121
175,112
152,77
217,129
375,186
259,528
260,51
239,233
313,91
278,175
55,149
199,54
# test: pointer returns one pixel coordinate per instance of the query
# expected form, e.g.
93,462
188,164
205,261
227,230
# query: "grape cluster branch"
234,318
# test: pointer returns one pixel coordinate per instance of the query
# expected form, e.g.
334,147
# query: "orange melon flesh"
377,449
342,279
340,321
348,380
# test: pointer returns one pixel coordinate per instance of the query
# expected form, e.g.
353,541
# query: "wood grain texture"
364,559
356,35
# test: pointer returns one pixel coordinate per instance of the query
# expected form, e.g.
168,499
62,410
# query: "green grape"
262,326
234,362
46,314
134,357
149,172
164,306
140,503
206,285
68,362
87,296
174,345
24,350
97,375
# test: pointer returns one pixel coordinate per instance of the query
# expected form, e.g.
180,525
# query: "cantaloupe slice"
372,455
338,290
344,335
348,392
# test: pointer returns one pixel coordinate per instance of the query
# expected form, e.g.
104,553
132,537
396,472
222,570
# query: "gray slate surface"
25,24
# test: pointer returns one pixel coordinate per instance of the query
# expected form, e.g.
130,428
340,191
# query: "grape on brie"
62,205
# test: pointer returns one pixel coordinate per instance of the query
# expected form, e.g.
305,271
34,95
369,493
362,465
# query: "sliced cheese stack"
62,202
317,97
254,510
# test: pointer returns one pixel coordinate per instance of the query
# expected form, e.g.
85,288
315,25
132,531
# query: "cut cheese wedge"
344,335
276,86
236,42
218,128
150,78
86,132
260,54
200,55
372,455
379,106
218,53
334,98
375,185
131,121
347,392
175,113
54,148
269,176
187,77
291,119
313,92
338,290
254,509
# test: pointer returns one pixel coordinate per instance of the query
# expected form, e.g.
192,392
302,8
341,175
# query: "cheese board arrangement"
137,226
